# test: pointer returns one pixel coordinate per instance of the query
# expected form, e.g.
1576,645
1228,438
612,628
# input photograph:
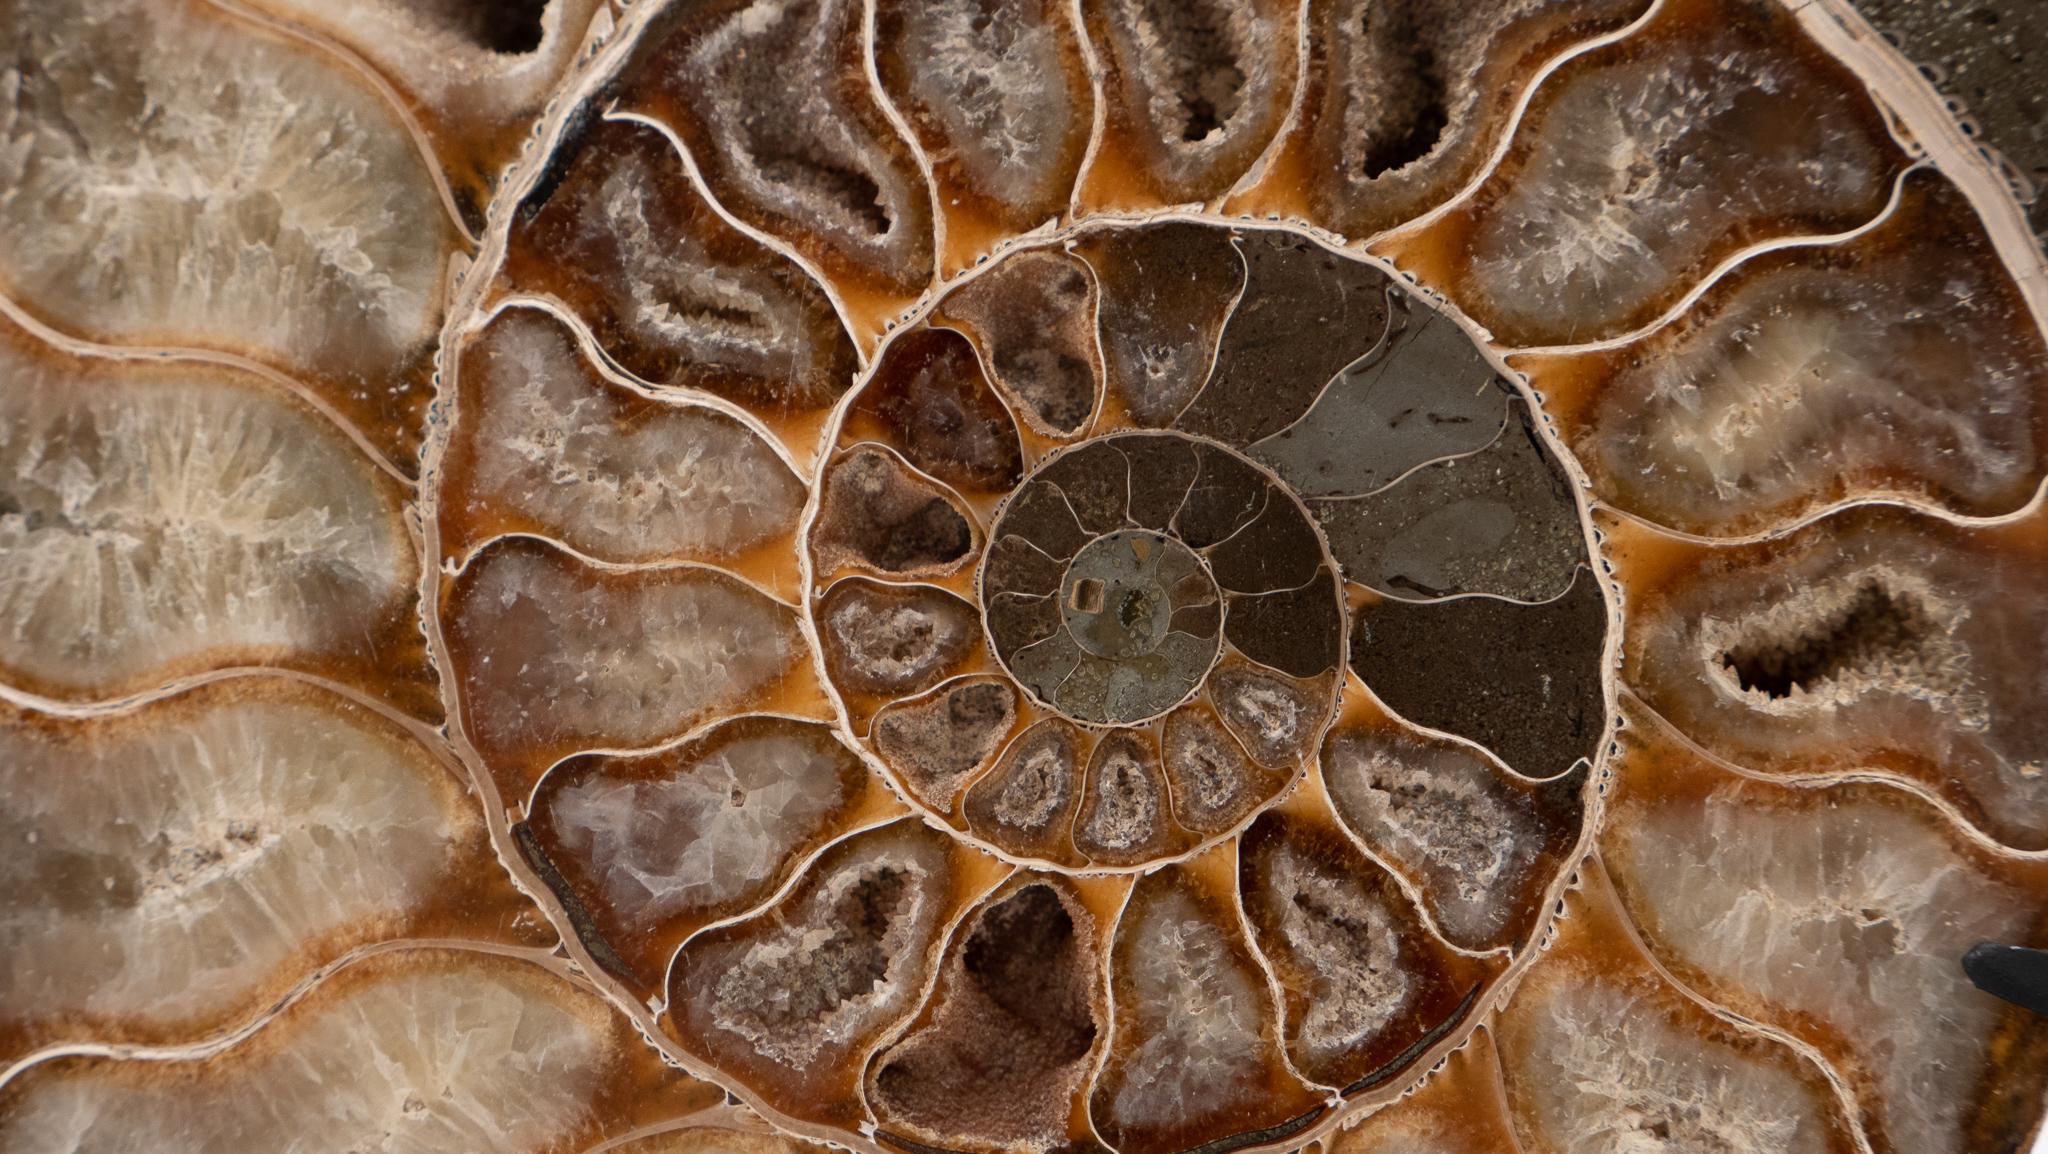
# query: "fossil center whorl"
1182,480
1122,591
1108,594
1104,546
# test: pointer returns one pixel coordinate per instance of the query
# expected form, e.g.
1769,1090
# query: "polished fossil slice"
421,1050
1811,376
1837,913
1481,845
1192,94
164,520
650,847
546,443
1012,577
1195,1041
236,191
773,103
1600,1050
1643,164
539,682
179,865
998,96
1874,640
731,317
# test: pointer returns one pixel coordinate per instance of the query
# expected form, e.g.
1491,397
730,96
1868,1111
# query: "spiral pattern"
1012,577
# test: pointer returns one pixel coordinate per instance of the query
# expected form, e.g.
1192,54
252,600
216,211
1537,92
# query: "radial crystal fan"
1015,577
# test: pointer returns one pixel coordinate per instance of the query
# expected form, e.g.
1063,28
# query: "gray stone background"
1990,57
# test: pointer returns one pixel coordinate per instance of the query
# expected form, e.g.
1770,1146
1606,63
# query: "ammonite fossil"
987,576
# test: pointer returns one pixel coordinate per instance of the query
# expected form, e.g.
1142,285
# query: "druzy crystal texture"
1013,577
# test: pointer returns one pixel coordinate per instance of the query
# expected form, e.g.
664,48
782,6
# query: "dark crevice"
1013,959
1875,627
1410,101
912,1144
568,149
580,920
853,190
1207,80
1405,584
1317,909
508,27
710,315
1014,1024
1401,1061
1287,1129
934,534
1202,117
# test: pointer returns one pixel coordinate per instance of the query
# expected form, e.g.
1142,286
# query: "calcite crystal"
1013,577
